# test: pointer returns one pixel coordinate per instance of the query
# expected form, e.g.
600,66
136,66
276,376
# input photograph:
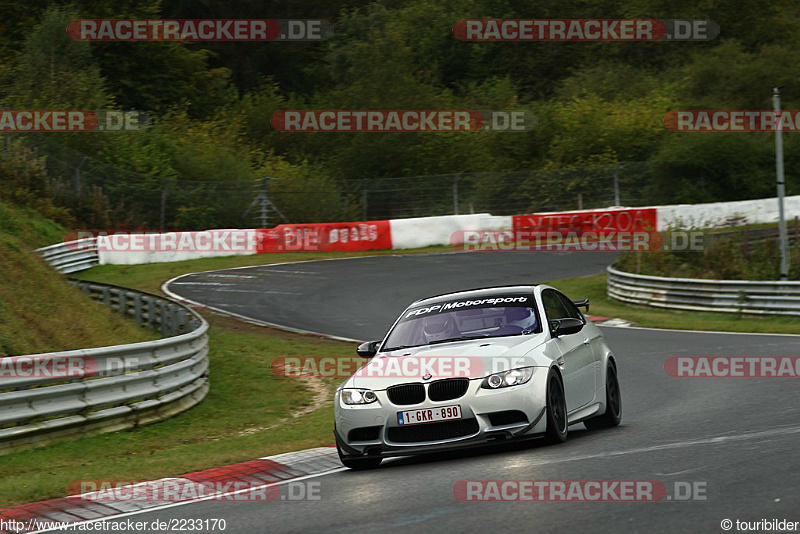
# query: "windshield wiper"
399,347
481,336
462,338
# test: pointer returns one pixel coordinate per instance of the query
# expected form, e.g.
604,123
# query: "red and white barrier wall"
326,237
427,231
598,221
130,249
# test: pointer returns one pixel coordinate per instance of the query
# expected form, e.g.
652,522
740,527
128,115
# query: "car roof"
483,292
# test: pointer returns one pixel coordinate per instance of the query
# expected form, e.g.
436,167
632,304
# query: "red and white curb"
310,461
270,470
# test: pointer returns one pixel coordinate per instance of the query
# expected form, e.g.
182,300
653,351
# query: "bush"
735,256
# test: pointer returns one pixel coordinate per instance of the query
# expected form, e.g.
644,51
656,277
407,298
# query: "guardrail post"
151,312
164,318
137,308
181,323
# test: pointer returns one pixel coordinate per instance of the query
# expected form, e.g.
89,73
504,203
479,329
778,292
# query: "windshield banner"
467,304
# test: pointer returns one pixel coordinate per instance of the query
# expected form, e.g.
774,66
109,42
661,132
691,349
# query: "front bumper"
372,430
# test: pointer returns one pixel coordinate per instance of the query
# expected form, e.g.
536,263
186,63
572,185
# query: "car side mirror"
368,349
564,327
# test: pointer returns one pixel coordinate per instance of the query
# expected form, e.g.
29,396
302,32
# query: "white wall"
721,214
429,231
132,249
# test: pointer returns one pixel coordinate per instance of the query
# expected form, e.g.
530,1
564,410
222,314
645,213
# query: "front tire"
613,414
556,410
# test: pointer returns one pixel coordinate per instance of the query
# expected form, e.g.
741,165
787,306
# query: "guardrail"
119,387
71,256
694,294
749,238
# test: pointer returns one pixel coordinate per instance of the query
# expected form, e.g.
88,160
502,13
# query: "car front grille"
406,394
433,431
451,388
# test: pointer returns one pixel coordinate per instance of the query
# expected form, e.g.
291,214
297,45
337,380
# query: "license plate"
429,415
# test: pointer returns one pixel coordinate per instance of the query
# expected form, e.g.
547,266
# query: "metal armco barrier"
71,256
124,385
734,296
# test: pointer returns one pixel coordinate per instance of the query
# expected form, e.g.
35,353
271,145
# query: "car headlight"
358,396
512,377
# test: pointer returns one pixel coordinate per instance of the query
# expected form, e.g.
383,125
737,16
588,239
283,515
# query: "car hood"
473,359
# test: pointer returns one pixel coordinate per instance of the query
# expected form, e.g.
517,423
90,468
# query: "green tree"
56,72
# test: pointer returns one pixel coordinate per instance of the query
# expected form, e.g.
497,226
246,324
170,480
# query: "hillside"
38,308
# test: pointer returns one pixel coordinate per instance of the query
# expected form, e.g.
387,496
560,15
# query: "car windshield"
472,319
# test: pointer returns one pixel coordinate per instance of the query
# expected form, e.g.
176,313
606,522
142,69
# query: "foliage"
740,257
25,183
597,104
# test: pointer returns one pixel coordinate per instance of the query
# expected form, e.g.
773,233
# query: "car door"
577,358
590,337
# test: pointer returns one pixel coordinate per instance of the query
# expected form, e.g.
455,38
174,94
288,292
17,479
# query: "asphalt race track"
738,436
359,298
